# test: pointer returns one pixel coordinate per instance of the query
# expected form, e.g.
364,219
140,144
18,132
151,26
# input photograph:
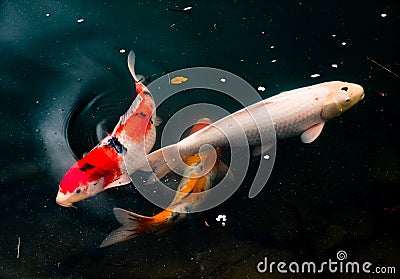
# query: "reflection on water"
64,82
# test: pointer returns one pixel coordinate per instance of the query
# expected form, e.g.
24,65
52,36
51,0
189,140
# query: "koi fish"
183,203
104,167
302,111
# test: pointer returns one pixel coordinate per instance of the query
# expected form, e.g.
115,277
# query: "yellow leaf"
178,80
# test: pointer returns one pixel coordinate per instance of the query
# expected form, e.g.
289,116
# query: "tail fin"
132,225
131,65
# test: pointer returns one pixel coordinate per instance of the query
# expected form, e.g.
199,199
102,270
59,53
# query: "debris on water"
178,80
273,60
272,47
48,14
172,25
333,35
187,10
334,65
80,20
222,80
221,218
315,75
383,15
122,50
207,225
344,43
266,157
261,88
383,67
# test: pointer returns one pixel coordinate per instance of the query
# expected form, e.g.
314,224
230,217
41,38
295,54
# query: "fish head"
90,175
80,182
341,97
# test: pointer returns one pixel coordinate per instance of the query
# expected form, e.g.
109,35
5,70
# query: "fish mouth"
64,204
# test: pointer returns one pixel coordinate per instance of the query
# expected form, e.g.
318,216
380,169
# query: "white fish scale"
294,117
292,113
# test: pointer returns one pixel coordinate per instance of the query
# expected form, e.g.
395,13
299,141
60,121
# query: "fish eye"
78,191
347,100
345,88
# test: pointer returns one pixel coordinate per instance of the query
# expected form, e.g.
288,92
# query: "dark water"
63,74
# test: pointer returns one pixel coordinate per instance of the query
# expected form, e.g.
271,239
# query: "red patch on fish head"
101,162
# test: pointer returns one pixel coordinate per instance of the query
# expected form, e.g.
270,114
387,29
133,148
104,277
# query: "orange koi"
103,167
183,203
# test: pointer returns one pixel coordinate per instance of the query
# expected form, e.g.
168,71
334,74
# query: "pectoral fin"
312,133
124,179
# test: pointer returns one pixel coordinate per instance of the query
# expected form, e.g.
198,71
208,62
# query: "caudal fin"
131,65
132,225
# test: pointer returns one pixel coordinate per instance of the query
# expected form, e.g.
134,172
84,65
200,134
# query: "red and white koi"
190,193
104,167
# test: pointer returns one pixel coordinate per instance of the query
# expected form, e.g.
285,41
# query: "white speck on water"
241,60
333,35
272,47
383,15
80,20
222,80
187,8
221,218
315,75
266,157
274,60
334,65
122,50
344,43
48,14
261,88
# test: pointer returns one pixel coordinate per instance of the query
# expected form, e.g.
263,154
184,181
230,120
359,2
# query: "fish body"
302,111
104,166
190,193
